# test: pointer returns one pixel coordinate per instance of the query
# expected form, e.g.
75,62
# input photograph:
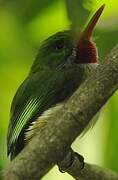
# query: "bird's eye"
59,45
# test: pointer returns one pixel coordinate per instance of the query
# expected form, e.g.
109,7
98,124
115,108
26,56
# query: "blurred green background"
23,26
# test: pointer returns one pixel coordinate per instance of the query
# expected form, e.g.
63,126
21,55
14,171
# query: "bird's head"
59,50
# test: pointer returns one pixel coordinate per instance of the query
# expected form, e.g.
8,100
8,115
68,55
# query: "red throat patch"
86,52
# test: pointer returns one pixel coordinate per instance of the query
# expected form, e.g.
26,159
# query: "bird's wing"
35,95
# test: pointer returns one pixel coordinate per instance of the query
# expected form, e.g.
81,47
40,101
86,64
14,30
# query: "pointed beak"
86,51
91,25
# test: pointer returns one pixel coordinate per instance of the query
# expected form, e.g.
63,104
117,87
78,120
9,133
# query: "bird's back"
39,92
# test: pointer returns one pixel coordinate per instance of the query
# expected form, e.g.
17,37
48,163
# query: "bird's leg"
72,159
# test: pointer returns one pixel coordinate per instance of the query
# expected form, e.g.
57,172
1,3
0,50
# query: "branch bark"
52,144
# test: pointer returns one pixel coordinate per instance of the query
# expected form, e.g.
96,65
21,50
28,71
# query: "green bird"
60,67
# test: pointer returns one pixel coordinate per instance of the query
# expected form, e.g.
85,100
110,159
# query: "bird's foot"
72,159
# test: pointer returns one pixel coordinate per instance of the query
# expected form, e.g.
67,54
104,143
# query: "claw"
72,158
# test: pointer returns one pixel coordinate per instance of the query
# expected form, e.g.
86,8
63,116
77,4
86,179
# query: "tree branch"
52,144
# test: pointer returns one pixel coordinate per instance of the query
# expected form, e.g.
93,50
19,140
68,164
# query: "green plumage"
59,69
51,80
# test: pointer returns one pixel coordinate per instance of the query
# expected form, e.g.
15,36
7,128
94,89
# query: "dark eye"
59,45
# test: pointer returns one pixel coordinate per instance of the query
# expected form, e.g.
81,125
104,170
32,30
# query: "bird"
60,67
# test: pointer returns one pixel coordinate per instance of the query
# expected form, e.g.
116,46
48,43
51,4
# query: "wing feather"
22,119
39,92
33,97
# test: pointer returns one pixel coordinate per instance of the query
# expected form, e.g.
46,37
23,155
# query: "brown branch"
51,145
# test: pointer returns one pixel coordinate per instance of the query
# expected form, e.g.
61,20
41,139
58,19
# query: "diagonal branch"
51,145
